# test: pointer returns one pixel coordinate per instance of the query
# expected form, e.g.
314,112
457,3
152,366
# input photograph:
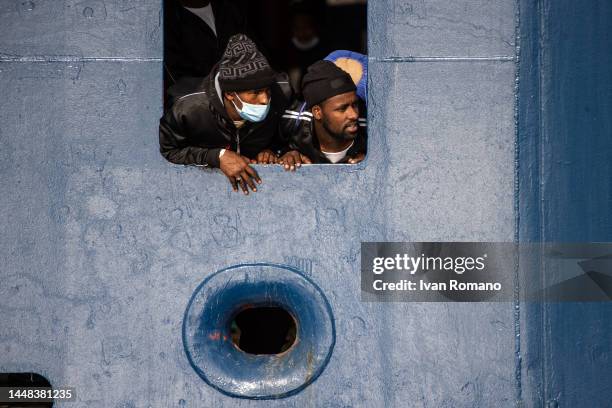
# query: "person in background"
356,65
307,43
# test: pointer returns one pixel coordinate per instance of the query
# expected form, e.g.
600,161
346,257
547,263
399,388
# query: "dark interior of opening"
263,330
17,380
292,34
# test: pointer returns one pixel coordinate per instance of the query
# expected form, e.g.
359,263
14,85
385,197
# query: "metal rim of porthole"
216,359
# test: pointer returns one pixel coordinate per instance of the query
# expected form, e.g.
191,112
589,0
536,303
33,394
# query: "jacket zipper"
238,141
238,138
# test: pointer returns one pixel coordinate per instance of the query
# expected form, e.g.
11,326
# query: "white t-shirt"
206,14
338,156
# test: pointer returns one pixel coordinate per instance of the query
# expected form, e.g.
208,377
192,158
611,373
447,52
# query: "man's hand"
357,158
293,159
238,171
265,157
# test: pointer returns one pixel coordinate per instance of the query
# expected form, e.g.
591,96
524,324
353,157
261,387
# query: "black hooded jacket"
196,126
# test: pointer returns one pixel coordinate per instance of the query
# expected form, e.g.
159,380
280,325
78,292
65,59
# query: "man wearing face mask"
327,127
307,43
230,119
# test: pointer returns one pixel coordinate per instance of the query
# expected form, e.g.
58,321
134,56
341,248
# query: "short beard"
338,136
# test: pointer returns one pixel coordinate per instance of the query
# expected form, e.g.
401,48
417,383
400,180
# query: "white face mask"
252,112
305,46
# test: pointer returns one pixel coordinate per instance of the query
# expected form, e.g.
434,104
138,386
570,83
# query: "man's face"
255,97
304,28
339,115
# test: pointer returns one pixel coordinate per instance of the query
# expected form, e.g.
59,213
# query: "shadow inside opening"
263,330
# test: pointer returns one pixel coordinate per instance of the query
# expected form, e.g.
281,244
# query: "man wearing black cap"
230,119
327,127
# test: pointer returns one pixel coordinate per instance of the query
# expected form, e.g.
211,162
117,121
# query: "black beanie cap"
243,67
325,80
